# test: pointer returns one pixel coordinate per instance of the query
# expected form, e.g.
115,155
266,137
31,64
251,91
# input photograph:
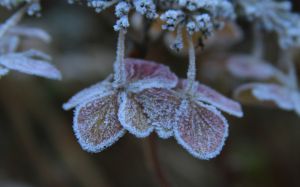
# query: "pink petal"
246,66
160,105
21,62
264,92
144,74
99,89
200,129
96,124
208,95
132,116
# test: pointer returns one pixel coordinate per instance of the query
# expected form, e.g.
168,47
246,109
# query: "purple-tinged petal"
96,123
160,105
99,89
21,62
142,74
208,95
132,116
267,94
246,66
200,129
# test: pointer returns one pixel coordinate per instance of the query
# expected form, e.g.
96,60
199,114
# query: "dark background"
38,147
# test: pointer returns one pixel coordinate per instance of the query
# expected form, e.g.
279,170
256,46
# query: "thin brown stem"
155,163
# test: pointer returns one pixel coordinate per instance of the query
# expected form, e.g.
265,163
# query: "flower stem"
258,45
191,74
119,65
13,20
163,182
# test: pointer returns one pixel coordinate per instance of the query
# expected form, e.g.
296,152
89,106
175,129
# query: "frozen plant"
32,62
284,94
106,110
139,98
275,16
196,16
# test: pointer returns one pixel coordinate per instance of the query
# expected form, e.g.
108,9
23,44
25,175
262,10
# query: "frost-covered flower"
197,123
191,116
122,9
106,110
32,62
275,16
196,16
269,94
284,94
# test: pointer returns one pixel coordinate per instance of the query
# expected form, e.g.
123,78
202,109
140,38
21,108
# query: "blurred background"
38,147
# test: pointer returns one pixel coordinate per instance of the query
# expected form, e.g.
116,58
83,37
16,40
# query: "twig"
155,163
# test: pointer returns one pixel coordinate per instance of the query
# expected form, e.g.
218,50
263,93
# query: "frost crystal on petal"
132,116
97,90
142,74
245,66
268,93
96,123
24,62
200,129
208,95
160,105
